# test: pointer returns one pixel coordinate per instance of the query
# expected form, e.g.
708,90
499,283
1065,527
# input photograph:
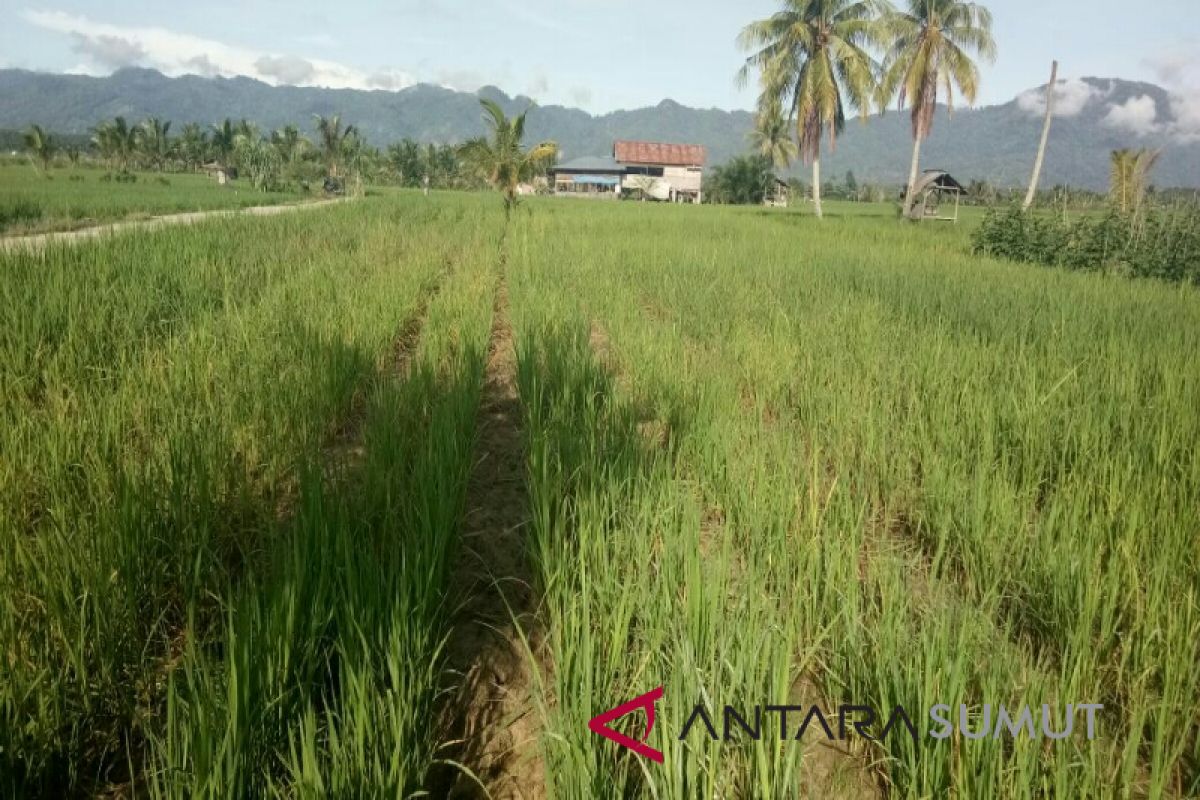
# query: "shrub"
1163,243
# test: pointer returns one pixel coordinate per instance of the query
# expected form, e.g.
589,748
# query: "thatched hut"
778,194
219,172
934,188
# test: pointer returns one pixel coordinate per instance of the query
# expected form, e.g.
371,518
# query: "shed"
778,194
219,172
930,190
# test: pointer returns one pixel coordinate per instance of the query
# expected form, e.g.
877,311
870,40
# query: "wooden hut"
778,194
933,190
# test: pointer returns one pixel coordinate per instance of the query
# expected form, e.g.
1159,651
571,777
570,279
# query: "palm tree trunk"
910,199
816,190
1041,155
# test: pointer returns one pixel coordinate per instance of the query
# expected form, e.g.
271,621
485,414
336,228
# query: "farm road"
39,240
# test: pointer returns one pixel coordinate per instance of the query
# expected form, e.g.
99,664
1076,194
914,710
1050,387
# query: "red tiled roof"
669,155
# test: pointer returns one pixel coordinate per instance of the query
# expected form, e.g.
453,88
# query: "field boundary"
37,241
491,721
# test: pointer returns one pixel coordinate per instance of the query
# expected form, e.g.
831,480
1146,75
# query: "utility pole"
1041,155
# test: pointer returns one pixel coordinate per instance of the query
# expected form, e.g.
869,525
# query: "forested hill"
995,143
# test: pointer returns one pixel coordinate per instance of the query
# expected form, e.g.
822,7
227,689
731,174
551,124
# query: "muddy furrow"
492,725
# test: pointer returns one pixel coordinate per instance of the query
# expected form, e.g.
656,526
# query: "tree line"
269,160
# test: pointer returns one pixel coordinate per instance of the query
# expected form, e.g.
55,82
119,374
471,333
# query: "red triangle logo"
600,725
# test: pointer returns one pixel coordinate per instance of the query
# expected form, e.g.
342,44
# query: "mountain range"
994,143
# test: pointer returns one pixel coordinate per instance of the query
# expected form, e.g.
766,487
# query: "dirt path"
491,720
39,240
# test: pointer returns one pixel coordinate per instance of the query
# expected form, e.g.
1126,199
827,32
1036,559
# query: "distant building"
589,176
779,195
671,172
678,168
219,172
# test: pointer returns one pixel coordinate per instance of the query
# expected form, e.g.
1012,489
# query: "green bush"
1163,244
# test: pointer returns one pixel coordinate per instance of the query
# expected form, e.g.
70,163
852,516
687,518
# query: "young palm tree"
153,141
41,146
332,140
503,161
772,136
929,49
812,61
290,143
193,145
1131,178
116,141
224,139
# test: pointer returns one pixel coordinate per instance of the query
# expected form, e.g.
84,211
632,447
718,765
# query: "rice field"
67,198
391,498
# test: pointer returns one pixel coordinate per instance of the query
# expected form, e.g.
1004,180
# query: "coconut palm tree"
332,141
116,141
224,139
502,159
153,141
1131,177
291,144
813,64
41,146
193,145
246,130
929,49
772,136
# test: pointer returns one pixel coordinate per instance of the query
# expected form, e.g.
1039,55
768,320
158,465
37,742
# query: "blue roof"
591,164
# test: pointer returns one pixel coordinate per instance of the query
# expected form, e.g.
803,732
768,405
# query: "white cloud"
113,52
202,65
175,53
460,80
289,70
1179,71
90,70
1070,98
390,79
1138,115
1185,110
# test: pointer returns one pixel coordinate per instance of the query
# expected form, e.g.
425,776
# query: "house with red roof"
658,170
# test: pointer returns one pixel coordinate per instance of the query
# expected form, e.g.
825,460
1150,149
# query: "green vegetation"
929,49
813,64
743,181
29,203
1163,243
502,159
766,460
993,143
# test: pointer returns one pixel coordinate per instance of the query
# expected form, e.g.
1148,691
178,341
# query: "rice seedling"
766,464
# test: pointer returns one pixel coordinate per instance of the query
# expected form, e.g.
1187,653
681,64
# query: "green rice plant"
31,204
769,461
819,338
153,454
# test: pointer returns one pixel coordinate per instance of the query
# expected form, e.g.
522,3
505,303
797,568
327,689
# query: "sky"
598,55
